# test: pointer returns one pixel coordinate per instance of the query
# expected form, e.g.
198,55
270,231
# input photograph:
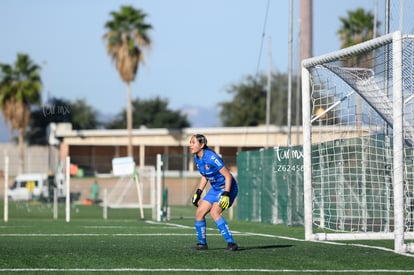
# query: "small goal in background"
135,188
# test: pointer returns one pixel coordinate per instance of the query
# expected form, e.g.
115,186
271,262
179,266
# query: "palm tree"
20,86
358,27
126,36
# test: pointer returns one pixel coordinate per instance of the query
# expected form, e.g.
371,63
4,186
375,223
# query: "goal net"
358,131
128,190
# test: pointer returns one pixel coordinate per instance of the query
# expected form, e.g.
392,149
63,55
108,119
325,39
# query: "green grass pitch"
31,242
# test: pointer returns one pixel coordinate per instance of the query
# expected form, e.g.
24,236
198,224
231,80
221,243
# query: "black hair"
202,140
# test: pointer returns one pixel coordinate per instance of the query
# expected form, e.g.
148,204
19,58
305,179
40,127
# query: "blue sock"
224,229
200,227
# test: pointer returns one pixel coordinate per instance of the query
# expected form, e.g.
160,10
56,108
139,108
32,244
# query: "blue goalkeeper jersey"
209,166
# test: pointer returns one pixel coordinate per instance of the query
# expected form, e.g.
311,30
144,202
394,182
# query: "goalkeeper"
221,195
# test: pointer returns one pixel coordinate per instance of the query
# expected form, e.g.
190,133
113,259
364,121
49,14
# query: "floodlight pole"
269,87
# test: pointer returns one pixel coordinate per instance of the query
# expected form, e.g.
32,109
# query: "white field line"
166,224
109,270
300,240
111,234
94,234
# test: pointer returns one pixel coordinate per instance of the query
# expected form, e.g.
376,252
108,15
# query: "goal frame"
398,234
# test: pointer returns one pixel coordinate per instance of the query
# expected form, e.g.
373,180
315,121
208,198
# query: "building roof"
260,136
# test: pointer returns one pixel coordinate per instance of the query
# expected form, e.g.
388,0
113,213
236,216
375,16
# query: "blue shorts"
213,195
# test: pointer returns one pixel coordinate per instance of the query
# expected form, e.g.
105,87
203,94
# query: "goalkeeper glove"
196,197
224,202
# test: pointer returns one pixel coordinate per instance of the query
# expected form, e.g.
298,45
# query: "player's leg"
200,224
222,226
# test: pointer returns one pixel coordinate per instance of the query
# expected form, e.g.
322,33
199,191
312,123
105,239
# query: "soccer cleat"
232,247
200,246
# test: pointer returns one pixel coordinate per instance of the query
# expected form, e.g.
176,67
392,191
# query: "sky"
199,47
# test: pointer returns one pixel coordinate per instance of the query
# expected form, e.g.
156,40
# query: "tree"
20,87
248,106
356,28
83,116
126,36
153,113
42,116
78,113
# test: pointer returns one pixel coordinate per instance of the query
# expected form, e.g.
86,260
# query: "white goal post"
358,142
137,190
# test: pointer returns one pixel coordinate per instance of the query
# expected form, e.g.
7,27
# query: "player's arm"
203,183
228,178
224,202
197,194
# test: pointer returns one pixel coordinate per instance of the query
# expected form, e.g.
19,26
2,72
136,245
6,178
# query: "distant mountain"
201,117
105,118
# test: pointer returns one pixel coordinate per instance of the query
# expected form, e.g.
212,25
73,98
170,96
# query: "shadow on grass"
241,248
